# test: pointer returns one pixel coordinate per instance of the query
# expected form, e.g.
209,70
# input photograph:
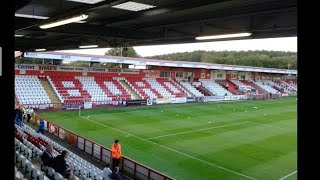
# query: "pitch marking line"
197,130
284,177
269,125
179,152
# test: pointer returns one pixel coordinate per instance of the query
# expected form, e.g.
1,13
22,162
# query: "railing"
130,167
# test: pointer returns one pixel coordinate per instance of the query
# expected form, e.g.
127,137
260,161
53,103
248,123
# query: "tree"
268,59
126,52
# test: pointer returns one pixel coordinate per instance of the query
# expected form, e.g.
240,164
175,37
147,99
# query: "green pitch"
211,141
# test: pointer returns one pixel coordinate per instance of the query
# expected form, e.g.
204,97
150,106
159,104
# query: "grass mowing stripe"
260,124
179,152
197,130
284,177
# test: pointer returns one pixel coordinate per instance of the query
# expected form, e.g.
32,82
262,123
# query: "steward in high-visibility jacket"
115,153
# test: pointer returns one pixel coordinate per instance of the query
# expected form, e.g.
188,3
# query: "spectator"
19,116
116,174
115,153
47,157
16,112
41,126
24,114
60,165
106,173
29,114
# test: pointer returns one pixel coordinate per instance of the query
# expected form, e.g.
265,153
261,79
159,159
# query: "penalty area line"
284,177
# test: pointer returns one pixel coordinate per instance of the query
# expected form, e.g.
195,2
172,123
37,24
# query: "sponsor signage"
213,98
72,106
242,96
178,100
149,102
135,102
26,66
171,100
163,101
234,97
191,99
87,105
42,106
74,69
97,69
47,68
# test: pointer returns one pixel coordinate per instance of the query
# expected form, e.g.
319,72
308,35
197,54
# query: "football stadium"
165,120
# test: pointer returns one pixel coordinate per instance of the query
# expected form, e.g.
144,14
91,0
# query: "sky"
275,44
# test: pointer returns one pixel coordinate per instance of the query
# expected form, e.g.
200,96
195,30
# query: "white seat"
35,174
50,172
29,168
23,162
57,176
42,177
75,178
98,177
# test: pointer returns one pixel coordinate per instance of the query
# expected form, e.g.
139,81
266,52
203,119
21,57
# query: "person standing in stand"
29,114
115,153
41,126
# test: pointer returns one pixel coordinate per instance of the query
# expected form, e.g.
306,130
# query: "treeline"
268,59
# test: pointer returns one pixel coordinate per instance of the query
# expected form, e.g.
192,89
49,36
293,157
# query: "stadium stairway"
137,97
52,95
189,94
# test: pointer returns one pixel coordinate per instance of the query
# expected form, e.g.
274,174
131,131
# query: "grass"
223,141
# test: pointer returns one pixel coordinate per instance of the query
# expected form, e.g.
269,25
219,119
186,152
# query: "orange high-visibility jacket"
116,151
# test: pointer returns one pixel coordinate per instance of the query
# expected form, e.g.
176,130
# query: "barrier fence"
130,167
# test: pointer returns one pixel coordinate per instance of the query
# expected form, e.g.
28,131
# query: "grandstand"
47,88
174,130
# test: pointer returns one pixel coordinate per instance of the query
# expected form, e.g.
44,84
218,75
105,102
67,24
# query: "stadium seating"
191,89
242,87
93,88
69,89
267,86
143,88
28,154
290,87
215,88
233,88
165,87
78,89
172,87
113,88
29,91
258,89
